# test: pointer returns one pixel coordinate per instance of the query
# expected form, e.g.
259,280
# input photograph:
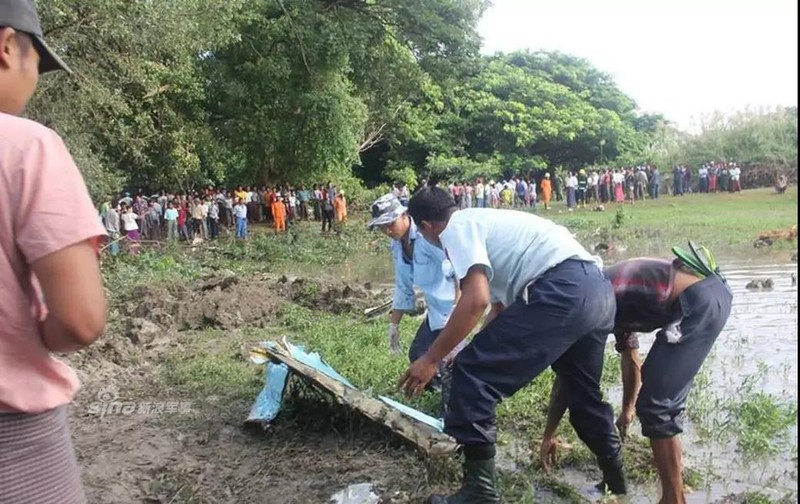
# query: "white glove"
394,339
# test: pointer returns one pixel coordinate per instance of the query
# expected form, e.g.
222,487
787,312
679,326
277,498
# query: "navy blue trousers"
422,341
566,322
669,369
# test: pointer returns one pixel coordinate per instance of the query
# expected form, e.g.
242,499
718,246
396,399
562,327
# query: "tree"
135,109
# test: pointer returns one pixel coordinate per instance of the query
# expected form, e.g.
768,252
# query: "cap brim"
48,59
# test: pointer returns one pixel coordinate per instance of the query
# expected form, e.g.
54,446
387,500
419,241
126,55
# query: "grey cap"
21,15
385,210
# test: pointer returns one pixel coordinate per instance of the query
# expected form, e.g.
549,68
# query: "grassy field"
725,222
210,362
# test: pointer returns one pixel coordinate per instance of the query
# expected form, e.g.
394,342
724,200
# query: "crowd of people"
712,177
204,213
592,186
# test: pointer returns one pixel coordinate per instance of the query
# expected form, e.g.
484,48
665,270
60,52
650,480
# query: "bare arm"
73,291
631,365
556,409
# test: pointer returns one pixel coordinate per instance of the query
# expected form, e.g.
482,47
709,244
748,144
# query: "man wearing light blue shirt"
703,173
550,306
416,263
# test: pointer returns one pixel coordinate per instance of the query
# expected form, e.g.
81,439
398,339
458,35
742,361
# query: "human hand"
623,422
548,452
394,339
418,375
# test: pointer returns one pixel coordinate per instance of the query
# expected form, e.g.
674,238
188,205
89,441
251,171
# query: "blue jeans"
565,323
241,227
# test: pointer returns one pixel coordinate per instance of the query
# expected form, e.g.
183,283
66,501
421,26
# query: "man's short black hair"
431,204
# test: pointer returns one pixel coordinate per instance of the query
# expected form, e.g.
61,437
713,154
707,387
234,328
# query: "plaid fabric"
37,461
642,288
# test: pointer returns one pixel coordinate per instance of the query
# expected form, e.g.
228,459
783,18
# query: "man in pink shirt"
51,291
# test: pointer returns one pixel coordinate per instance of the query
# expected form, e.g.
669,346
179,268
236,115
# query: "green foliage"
619,217
135,108
186,93
461,168
764,142
405,174
761,422
525,112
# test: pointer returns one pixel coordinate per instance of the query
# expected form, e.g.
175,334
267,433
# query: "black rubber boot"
478,486
613,476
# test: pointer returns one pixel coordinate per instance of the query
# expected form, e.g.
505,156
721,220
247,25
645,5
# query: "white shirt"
240,211
572,181
129,219
514,247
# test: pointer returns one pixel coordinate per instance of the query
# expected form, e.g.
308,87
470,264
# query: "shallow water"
759,343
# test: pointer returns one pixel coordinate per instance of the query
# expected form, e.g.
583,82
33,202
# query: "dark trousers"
570,197
669,369
677,188
197,227
443,378
566,322
422,341
213,227
327,218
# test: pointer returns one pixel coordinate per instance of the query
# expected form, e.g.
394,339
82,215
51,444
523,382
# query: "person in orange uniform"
340,208
278,213
546,191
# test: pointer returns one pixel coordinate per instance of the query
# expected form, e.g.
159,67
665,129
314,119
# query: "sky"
681,58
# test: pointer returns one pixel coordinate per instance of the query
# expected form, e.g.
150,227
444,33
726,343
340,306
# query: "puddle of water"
760,338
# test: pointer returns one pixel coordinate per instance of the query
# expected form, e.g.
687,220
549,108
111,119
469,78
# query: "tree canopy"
188,92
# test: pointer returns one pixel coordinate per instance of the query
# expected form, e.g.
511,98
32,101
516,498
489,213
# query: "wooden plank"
430,440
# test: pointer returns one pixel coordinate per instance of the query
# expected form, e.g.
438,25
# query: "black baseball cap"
21,15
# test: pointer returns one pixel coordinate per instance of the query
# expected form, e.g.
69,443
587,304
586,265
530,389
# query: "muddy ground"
190,445
203,453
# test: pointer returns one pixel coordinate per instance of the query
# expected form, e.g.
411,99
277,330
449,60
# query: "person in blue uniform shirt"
550,306
419,264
